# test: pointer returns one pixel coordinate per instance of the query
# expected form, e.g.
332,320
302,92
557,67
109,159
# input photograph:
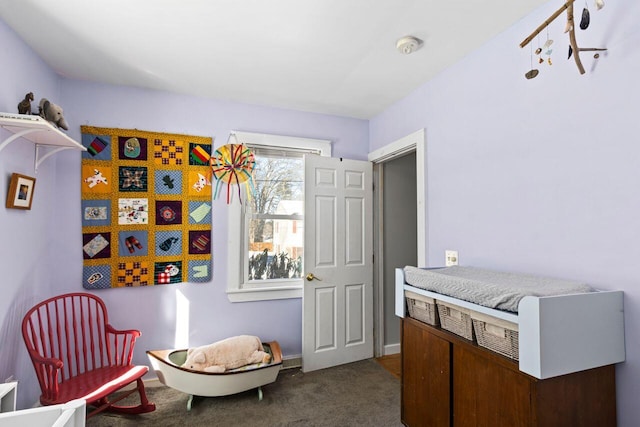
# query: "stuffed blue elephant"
52,113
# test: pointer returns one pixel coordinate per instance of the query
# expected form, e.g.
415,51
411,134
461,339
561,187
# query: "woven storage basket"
455,319
496,334
422,308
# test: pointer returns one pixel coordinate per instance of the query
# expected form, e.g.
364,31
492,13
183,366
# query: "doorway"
399,229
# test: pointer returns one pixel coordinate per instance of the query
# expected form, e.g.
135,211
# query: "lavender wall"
539,175
523,175
40,256
25,243
153,310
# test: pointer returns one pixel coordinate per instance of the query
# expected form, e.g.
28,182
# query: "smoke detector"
408,44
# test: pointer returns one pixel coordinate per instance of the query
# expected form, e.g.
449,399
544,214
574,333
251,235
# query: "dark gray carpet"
357,394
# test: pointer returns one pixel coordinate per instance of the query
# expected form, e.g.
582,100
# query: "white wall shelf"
40,132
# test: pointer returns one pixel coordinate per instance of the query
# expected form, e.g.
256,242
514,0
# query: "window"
266,241
274,219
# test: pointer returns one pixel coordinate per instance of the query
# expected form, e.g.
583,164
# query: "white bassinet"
168,366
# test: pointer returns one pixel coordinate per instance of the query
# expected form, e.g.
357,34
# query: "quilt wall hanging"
146,208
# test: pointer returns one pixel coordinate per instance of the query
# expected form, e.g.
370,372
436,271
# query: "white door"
337,306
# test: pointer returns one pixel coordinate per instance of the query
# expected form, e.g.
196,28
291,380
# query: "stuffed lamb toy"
227,354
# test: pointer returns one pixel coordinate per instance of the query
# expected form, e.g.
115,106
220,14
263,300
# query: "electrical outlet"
450,258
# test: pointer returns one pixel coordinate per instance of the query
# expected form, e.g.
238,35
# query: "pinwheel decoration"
233,164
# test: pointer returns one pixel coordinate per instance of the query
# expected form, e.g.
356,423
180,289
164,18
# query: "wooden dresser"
450,381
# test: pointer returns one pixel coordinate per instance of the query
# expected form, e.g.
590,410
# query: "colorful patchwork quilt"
146,208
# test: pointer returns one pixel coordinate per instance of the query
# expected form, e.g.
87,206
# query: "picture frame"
21,189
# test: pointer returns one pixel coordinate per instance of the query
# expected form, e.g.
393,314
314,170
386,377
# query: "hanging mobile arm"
572,37
546,23
568,6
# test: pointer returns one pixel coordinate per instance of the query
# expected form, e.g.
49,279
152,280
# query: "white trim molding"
321,146
400,147
391,349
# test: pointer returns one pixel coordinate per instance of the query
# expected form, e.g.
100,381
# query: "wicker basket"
496,334
422,308
455,319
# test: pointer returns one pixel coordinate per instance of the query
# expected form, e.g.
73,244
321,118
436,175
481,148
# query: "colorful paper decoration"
233,164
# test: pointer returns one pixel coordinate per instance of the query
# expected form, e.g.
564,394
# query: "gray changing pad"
493,289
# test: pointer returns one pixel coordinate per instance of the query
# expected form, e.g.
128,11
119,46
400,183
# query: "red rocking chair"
77,354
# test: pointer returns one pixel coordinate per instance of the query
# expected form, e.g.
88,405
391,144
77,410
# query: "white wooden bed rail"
8,396
558,334
70,414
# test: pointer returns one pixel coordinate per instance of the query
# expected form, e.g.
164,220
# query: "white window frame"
236,241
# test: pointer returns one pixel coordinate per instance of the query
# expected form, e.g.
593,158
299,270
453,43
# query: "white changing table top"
557,334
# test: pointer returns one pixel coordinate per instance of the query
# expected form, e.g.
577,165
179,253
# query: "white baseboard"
391,349
294,361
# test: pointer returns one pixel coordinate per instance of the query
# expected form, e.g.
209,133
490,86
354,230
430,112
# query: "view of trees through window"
276,219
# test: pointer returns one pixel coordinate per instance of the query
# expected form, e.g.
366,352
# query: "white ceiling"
327,56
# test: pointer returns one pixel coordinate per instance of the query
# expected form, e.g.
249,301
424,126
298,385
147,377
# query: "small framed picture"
20,191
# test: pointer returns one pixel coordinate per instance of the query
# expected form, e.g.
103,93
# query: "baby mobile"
233,164
574,50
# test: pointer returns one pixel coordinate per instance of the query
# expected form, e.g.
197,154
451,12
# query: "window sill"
264,294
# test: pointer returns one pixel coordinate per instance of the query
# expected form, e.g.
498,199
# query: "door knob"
310,277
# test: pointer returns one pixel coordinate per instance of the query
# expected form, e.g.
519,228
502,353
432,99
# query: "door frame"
412,142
